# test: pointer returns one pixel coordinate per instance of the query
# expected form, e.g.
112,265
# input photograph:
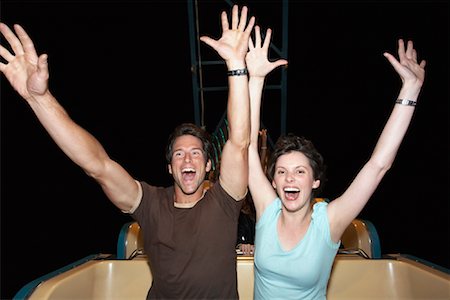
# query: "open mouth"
188,174
291,193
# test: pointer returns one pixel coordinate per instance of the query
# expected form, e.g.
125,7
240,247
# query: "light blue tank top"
301,273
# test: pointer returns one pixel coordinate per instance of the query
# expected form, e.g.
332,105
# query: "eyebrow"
296,167
191,149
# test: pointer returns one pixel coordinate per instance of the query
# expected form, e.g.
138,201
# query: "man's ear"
169,168
208,165
316,184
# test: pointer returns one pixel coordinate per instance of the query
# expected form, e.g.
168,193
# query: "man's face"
188,166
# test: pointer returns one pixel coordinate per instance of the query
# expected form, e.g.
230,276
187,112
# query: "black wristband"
237,72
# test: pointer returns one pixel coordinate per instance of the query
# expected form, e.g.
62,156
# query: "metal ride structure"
204,67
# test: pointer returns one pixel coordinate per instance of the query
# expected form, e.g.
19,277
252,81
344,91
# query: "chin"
189,190
291,205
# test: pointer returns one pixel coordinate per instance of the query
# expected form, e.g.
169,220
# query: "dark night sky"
122,71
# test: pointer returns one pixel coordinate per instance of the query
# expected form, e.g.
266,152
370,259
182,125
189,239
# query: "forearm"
260,188
80,146
238,107
234,160
256,86
395,128
347,207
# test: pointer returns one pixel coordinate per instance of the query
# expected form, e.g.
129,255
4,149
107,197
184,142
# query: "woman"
296,241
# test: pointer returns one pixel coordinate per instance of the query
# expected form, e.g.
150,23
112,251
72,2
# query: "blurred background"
122,70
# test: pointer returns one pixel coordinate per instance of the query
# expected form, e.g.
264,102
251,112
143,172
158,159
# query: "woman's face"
294,180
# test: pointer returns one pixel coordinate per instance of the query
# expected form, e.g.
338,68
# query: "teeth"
291,190
188,170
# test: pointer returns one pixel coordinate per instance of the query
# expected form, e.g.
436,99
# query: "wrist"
34,97
410,90
406,102
238,72
234,64
256,77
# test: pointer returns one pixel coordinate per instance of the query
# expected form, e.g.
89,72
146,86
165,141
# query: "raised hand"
407,67
25,70
233,45
257,60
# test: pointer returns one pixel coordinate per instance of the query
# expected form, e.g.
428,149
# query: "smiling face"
188,165
294,180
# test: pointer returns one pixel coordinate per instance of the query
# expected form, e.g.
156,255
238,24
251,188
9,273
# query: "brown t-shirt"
191,251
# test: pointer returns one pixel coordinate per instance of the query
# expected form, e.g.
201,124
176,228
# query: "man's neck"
182,200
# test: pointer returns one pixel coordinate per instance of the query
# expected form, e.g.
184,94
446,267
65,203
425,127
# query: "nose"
187,157
289,177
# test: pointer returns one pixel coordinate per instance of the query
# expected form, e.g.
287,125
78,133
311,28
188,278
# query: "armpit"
233,195
137,201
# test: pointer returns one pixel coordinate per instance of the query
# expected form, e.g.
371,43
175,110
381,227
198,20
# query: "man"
189,233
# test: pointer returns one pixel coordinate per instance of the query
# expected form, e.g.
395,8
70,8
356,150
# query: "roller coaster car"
359,272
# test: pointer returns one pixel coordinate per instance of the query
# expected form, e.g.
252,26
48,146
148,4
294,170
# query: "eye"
280,172
178,154
197,153
300,171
